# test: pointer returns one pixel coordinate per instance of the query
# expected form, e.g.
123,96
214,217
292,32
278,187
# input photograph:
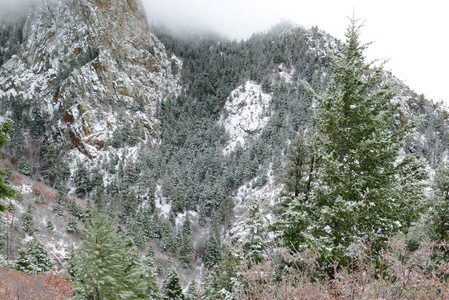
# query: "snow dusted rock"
245,114
91,66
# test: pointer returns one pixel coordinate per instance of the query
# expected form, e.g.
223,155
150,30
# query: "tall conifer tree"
171,286
5,191
107,266
363,187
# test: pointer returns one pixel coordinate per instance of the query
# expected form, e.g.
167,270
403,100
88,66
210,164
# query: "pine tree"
298,168
178,240
192,291
226,275
82,181
213,251
98,198
171,286
24,166
5,191
202,215
72,226
167,240
27,219
107,266
23,263
255,245
136,234
186,227
361,189
438,209
38,255
151,277
50,226
186,252
130,203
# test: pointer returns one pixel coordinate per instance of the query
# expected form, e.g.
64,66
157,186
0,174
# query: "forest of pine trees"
353,177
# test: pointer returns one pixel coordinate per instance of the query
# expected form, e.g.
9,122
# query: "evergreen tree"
186,252
227,211
27,219
202,216
38,255
299,167
23,263
130,203
131,174
82,181
186,227
167,240
361,189
151,277
208,286
98,199
5,191
58,210
136,234
72,226
438,209
255,245
226,275
171,286
192,291
213,251
107,266
24,166
48,162
50,226
178,240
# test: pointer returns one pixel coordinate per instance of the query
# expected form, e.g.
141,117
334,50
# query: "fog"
410,34
234,19
13,5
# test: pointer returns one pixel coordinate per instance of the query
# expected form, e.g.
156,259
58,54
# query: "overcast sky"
411,34
13,4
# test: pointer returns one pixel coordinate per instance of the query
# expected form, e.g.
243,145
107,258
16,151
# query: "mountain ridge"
150,128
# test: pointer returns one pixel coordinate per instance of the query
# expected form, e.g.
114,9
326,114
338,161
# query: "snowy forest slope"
172,137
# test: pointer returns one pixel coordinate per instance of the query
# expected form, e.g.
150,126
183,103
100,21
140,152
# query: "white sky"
411,34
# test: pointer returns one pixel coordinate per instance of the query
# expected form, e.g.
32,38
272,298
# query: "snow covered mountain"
151,128
89,68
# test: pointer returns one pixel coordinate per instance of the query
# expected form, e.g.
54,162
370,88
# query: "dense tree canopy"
5,191
363,188
107,266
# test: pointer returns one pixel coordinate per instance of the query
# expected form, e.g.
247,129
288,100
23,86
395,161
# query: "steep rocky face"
92,67
245,114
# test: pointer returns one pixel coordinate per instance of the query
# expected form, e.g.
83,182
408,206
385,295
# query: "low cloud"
235,19
14,4
9,9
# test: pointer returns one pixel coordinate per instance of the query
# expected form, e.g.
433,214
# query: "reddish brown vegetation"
19,285
399,274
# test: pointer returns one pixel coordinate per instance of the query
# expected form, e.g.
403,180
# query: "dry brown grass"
19,285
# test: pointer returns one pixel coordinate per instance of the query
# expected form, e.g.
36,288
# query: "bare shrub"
19,285
394,274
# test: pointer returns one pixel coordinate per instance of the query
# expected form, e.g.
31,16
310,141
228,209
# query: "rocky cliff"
89,68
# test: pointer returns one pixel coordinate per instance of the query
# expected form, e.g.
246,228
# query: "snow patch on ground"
267,196
245,114
25,189
161,202
285,74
